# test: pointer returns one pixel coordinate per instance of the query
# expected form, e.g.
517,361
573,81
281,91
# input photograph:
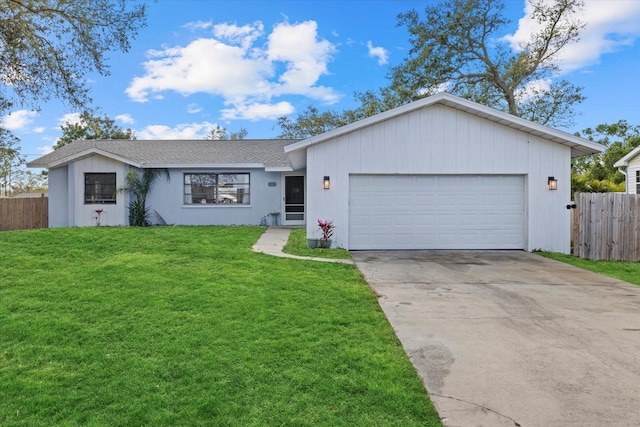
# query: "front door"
294,211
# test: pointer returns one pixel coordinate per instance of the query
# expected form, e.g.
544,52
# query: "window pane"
100,188
224,188
233,188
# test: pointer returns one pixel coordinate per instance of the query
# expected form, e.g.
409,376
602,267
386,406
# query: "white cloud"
305,57
71,118
533,89
257,111
205,65
378,52
181,131
125,118
243,36
610,26
198,25
18,119
246,74
39,129
193,108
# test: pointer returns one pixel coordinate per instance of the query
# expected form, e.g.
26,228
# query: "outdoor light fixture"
326,183
552,183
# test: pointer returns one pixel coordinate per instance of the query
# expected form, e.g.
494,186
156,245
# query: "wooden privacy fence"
24,214
605,226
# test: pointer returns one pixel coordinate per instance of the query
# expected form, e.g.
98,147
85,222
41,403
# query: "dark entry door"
294,200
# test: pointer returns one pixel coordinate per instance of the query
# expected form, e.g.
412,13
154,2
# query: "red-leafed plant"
326,227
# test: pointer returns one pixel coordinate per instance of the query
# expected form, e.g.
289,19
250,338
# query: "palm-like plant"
138,185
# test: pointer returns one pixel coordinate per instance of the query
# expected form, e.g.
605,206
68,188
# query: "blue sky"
241,64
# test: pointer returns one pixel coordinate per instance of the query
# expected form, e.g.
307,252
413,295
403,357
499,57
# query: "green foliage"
139,184
187,326
138,213
10,161
459,47
597,173
48,47
220,133
92,127
27,181
311,122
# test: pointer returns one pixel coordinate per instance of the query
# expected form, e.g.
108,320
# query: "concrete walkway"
273,240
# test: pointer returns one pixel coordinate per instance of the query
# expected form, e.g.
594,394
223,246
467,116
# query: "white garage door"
436,212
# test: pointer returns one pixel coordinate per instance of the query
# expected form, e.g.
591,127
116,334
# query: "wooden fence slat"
24,214
606,226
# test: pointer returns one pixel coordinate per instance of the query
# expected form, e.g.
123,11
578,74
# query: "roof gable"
624,161
579,146
268,153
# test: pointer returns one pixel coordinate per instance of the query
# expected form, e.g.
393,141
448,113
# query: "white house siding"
84,214
59,207
167,198
632,168
439,140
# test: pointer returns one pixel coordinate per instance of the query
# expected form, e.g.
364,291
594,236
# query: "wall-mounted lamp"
326,182
552,183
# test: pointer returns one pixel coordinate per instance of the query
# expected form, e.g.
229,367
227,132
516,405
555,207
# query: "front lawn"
297,245
627,271
188,326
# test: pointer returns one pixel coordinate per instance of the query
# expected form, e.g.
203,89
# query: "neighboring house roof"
579,146
624,162
267,153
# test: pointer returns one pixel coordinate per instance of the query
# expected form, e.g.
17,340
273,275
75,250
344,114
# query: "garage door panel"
436,212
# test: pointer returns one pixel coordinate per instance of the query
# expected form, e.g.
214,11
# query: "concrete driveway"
509,338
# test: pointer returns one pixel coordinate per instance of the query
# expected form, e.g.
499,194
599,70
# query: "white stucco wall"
167,198
441,140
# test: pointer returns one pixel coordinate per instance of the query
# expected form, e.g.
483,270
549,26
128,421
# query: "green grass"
188,326
297,245
627,271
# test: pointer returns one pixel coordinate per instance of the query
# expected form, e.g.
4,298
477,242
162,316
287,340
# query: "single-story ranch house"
439,173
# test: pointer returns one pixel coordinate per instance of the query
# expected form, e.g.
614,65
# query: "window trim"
213,198
90,196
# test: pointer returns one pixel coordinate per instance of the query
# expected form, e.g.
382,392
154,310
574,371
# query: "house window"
216,188
100,188
637,182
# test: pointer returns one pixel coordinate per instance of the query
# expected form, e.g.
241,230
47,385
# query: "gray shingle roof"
168,153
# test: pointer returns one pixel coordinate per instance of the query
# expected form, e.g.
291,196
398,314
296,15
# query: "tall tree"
311,122
240,134
92,127
459,46
220,133
27,181
10,161
47,47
